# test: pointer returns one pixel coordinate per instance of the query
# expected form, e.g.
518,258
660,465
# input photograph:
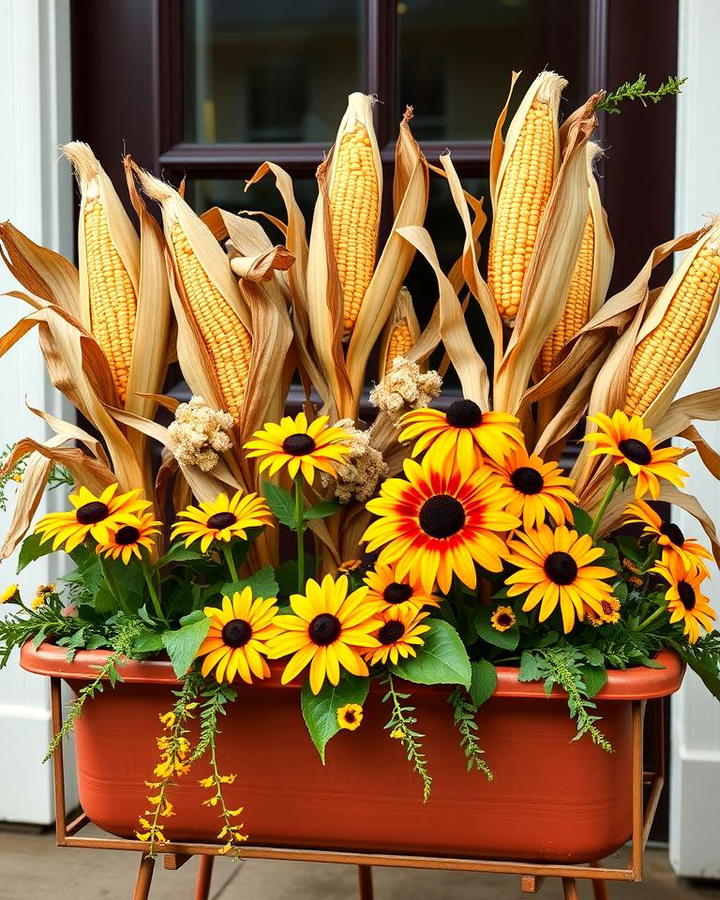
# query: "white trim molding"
695,739
36,194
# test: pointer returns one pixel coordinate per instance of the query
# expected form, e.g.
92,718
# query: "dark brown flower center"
442,516
464,414
606,607
298,444
350,716
324,629
527,480
504,619
221,520
672,531
687,595
391,632
128,534
91,513
236,633
561,568
635,451
397,593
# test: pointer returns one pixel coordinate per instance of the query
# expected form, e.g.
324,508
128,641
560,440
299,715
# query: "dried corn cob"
591,275
677,322
401,332
354,197
108,251
529,165
226,339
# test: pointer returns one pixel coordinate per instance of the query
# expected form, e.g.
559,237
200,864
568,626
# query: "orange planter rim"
637,683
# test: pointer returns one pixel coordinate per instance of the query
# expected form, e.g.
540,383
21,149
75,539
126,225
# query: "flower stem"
232,568
300,528
609,494
153,593
113,586
652,617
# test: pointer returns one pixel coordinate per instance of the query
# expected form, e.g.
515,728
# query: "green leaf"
483,681
442,659
506,640
182,645
31,550
581,520
281,503
530,667
178,552
262,583
148,642
595,679
320,711
321,510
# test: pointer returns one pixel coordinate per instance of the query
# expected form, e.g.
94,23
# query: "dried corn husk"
401,332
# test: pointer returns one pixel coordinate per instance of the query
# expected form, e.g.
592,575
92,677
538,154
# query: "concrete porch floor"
32,868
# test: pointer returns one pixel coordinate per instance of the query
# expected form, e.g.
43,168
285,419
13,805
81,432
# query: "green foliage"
321,510
320,711
281,503
32,549
182,644
400,726
11,475
464,720
506,640
703,658
582,521
441,660
566,667
638,90
215,698
483,681
262,583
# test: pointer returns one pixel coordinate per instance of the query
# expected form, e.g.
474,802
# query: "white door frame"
695,738
36,194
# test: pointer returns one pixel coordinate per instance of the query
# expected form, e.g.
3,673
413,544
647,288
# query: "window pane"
455,59
269,71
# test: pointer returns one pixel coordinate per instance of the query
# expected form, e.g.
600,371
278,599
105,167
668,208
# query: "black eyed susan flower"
555,569
42,593
538,488
130,538
388,589
463,432
328,630
237,642
93,516
608,614
628,441
439,522
350,716
222,520
669,536
686,602
400,634
11,594
299,446
503,618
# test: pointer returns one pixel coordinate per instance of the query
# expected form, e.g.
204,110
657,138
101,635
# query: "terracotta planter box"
552,800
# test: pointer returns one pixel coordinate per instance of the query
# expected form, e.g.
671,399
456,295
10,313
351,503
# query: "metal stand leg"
204,877
570,889
144,879
365,882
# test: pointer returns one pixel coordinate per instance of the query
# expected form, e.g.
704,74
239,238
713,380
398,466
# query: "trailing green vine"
638,90
464,721
402,718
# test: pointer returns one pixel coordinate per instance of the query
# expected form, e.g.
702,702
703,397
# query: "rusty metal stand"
531,875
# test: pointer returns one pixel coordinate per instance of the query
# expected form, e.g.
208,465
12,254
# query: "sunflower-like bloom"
439,522
503,618
555,568
237,642
328,631
11,594
609,613
350,716
631,443
399,635
669,536
686,602
222,520
300,446
387,589
538,488
462,433
130,538
93,516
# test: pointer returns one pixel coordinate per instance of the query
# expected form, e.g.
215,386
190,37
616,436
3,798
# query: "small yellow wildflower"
398,733
350,716
11,594
503,618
